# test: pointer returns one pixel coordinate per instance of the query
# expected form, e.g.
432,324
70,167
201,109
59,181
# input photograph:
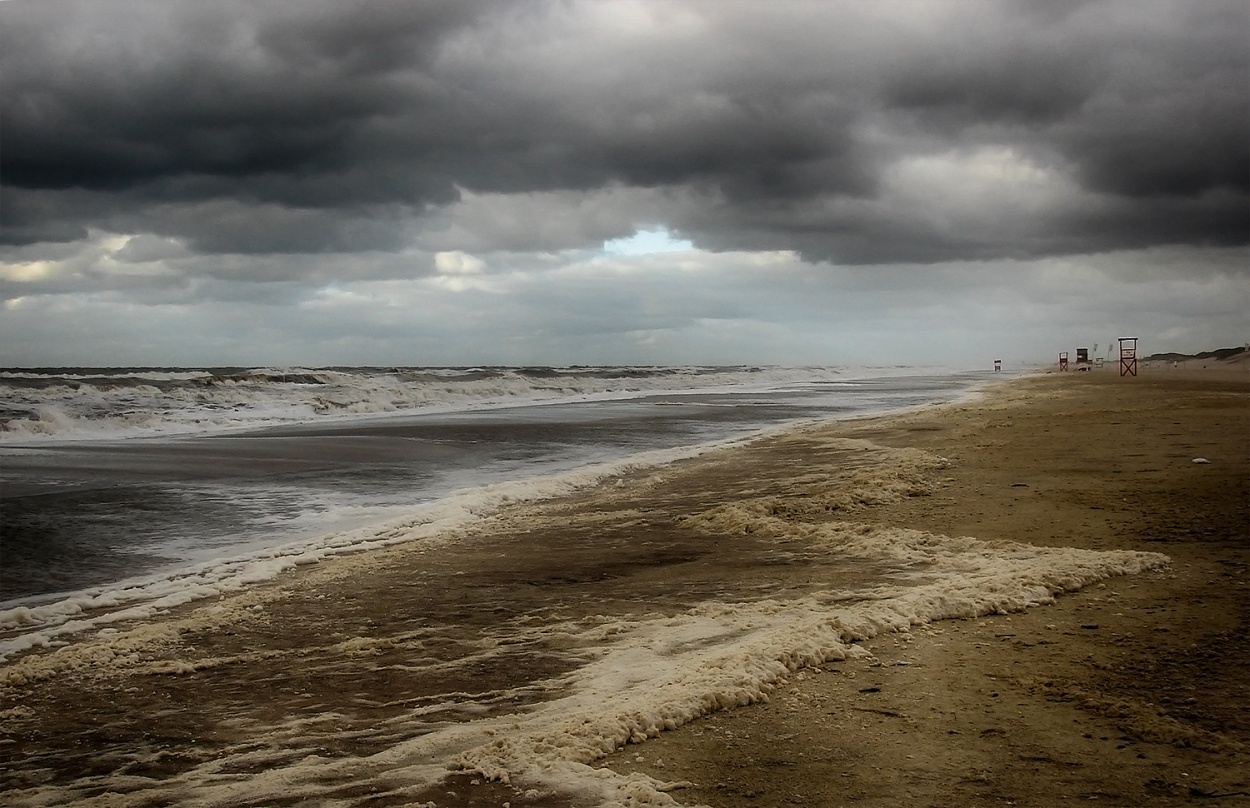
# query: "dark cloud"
270,92
314,126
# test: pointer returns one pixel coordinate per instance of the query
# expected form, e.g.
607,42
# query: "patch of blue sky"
645,242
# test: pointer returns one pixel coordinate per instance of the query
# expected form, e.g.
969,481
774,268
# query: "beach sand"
1132,691
1135,691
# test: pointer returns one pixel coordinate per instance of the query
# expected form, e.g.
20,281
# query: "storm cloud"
315,142
285,127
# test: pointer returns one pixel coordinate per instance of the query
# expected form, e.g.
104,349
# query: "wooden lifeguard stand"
1128,356
1063,360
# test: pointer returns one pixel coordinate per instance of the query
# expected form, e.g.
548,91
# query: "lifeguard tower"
1128,356
1063,360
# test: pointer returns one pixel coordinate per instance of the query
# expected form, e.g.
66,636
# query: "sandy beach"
317,689
1132,692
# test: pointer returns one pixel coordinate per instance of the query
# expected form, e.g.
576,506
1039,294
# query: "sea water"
109,477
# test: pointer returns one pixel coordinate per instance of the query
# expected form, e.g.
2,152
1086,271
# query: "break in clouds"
300,144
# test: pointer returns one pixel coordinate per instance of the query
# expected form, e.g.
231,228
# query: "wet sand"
1132,691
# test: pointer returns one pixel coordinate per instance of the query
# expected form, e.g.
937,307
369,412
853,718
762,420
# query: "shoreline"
911,717
95,606
1131,692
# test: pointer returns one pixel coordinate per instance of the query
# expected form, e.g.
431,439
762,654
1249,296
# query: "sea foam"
646,675
84,405
637,676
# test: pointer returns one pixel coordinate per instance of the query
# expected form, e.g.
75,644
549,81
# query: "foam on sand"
663,674
646,676
629,677
140,599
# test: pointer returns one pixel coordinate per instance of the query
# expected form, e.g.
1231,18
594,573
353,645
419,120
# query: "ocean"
110,475
516,648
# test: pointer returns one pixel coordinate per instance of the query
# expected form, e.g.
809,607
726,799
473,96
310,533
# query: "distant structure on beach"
1128,356
998,365
1087,359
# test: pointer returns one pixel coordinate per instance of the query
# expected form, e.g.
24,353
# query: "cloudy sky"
318,182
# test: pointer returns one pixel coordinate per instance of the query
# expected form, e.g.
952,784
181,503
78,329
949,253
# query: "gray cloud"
694,307
283,127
